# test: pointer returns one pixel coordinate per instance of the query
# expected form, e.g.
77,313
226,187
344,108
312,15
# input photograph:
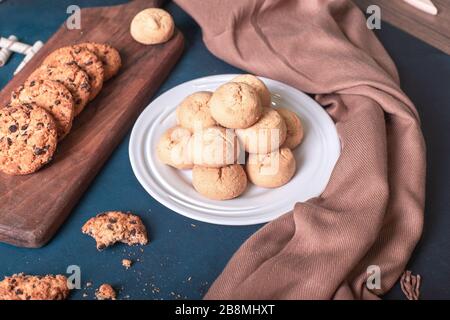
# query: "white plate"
316,158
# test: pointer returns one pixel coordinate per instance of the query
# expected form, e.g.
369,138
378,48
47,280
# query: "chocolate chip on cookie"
27,287
72,77
28,138
52,96
84,59
114,226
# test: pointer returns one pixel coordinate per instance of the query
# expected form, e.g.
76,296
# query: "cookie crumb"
105,292
88,284
127,263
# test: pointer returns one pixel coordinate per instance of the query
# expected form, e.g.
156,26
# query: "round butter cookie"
235,105
193,112
152,26
258,85
214,147
266,135
220,183
294,127
271,170
173,148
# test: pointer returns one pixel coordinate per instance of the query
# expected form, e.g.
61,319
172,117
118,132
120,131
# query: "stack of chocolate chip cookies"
218,131
41,111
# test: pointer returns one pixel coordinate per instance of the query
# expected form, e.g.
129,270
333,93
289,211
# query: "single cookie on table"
266,135
294,127
108,55
110,227
214,147
235,105
259,86
52,96
27,287
84,59
152,26
271,170
105,292
72,77
28,138
193,112
173,149
220,183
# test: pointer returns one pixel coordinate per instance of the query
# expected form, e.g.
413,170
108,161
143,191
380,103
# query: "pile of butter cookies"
230,136
41,110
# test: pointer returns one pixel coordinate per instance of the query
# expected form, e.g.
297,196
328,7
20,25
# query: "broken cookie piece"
27,287
105,292
110,227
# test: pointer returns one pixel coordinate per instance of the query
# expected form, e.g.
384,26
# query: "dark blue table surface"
184,255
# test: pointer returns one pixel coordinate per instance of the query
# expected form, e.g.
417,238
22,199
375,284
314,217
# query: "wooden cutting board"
33,207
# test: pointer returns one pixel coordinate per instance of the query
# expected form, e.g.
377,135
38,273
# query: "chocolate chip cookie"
26,287
72,77
53,97
84,59
110,227
28,138
108,55
105,292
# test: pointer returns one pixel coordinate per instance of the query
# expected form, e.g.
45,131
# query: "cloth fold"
371,213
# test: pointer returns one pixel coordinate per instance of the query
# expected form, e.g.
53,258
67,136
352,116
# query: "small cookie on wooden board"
105,292
84,59
53,96
27,287
108,55
220,183
152,26
28,138
72,77
294,126
114,226
271,170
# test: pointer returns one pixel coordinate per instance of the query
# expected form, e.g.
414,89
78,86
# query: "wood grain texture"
434,30
33,207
